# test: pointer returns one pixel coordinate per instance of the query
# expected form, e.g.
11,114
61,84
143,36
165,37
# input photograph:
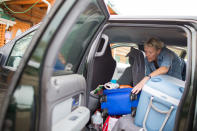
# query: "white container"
158,103
97,121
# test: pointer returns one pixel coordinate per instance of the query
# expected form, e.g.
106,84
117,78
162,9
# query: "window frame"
15,44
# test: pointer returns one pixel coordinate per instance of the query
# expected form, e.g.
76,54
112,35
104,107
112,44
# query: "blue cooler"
118,102
158,103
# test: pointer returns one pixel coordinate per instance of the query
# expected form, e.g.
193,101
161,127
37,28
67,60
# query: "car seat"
136,71
104,67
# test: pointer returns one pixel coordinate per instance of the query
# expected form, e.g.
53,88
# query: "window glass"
119,53
180,51
72,50
19,50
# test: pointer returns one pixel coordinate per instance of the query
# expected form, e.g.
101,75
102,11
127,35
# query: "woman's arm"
140,85
160,71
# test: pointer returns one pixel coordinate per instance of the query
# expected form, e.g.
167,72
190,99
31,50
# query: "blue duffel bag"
119,101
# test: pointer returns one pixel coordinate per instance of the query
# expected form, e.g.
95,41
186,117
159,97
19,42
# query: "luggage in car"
158,103
118,101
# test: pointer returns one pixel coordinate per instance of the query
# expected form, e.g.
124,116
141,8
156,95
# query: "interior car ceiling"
170,36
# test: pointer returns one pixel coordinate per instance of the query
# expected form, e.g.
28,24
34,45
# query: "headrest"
133,52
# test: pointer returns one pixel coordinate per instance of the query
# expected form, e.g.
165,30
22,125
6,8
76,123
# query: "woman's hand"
140,85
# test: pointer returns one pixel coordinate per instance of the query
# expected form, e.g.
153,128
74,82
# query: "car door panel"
77,38
58,101
67,103
60,86
75,121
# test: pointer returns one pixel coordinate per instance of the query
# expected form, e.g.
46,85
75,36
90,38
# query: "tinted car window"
19,50
72,50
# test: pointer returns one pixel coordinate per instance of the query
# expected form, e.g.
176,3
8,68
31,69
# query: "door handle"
101,53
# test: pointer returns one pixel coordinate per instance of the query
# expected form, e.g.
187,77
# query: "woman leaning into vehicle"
159,60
